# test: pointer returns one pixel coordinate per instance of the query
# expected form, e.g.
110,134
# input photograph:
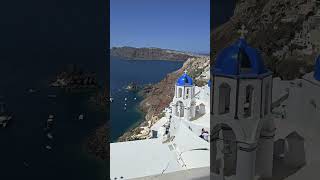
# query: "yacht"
81,117
5,117
48,147
49,135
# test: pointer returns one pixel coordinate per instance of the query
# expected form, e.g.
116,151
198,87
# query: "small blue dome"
317,69
239,59
209,83
185,80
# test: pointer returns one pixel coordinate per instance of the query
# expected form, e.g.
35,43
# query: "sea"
124,111
23,142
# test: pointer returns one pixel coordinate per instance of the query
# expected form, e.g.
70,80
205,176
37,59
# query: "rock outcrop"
98,144
75,78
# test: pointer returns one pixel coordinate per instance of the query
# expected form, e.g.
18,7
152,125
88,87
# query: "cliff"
282,29
149,54
97,143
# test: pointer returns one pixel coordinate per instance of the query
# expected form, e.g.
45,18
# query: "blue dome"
185,80
317,69
209,83
239,59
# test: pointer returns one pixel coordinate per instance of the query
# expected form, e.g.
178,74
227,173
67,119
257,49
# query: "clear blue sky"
172,24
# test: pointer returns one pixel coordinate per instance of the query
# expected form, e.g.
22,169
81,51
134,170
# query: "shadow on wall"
289,156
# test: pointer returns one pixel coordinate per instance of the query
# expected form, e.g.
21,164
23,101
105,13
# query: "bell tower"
183,101
241,115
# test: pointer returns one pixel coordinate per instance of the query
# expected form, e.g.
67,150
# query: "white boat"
81,117
49,135
49,122
32,90
50,118
5,117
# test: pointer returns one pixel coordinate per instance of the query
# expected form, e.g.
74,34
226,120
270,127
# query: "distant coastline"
133,53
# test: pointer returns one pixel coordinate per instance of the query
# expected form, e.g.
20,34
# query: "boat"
49,121
48,147
32,90
49,135
81,117
5,117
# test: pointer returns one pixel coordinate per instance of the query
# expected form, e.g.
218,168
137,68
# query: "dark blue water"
124,72
22,143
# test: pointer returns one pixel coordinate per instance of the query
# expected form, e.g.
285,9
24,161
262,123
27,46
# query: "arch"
248,103
179,109
224,98
225,150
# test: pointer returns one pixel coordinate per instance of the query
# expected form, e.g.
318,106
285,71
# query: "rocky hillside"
157,97
97,143
285,31
149,54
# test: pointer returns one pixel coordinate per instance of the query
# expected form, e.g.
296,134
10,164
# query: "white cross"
185,71
243,31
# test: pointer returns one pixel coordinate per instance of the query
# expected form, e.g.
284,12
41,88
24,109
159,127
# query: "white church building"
262,127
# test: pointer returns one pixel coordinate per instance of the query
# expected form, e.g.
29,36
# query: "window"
180,93
247,106
224,98
266,100
188,91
